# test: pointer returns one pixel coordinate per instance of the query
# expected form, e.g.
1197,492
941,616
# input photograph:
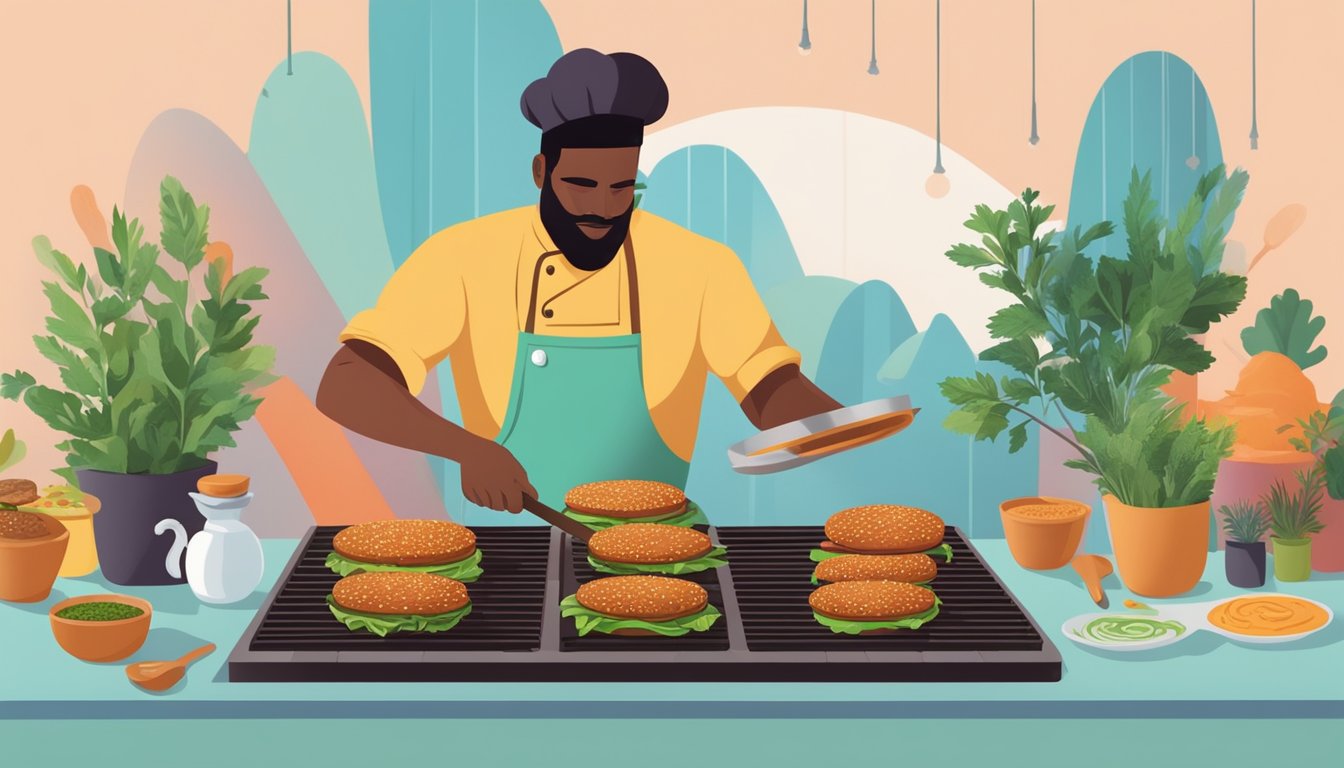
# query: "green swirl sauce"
1128,629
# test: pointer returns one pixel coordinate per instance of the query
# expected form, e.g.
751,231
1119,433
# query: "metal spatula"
572,527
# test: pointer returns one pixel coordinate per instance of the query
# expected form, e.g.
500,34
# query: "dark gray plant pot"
1245,563
128,551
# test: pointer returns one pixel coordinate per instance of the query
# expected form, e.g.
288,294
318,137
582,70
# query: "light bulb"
805,49
937,185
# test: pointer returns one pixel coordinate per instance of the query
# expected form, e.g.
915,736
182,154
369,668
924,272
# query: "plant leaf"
184,224
13,384
1017,437
1288,327
1018,321
58,263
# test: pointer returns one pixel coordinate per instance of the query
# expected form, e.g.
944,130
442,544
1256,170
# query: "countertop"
1203,676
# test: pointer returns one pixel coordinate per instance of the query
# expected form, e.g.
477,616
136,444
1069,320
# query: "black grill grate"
772,580
506,601
579,571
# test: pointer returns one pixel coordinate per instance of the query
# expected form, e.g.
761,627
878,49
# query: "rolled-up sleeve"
737,337
419,315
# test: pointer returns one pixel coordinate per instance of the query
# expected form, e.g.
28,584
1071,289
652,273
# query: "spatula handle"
572,527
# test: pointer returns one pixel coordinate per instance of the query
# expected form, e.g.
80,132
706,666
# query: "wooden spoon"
1280,228
162,675
1094,568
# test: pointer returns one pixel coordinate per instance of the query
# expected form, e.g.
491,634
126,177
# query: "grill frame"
845,662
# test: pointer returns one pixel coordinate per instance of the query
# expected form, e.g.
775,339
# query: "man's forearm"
364,391
783,396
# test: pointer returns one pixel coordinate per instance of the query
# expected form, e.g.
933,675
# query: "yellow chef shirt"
466,293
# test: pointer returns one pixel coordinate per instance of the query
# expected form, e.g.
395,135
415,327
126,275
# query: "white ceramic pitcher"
224,561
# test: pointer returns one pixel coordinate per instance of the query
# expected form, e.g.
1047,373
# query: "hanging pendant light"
805,44
289,37
1193,160
872,62
938,184
1034,136
1255,131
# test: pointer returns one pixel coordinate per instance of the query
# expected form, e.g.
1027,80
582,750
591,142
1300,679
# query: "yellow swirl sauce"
1268,616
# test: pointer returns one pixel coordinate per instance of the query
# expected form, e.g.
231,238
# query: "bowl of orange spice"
1043,532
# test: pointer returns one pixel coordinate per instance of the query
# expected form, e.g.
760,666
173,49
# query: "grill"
767,634
772,579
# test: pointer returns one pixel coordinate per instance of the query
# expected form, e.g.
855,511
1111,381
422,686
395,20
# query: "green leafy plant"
152,383
1244,521
1100,338
1294,514
1286,326
639,191
1322,433
12,450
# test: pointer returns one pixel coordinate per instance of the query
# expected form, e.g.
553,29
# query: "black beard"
579,249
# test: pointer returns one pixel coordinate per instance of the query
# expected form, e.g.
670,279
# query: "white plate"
1195,618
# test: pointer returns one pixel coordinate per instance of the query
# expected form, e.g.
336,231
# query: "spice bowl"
93,633
1043,532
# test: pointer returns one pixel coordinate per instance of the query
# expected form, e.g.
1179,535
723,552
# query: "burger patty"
870,600
28,525
18,492
912,569
649,598
626,498
648,543
400,593
884,528
405,542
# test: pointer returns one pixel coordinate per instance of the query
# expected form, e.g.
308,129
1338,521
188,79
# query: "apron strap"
628,249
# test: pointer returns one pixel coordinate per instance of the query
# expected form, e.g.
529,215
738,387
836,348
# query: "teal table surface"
1204,675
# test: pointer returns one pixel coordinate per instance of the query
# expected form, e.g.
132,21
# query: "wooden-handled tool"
572,527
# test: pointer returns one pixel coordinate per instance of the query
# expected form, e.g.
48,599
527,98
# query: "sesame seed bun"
883,529
912,569
648,598
870,600
648,544
405,542
626,498
400,593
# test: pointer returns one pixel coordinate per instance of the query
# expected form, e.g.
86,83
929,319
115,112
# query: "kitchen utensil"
806,440
1195,618
224,561
572,527
101,640
162,675
1094,569
1280,228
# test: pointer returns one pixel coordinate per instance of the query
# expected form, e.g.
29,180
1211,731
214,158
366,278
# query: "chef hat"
592,99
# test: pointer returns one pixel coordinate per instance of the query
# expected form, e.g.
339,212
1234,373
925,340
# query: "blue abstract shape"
450,141
1153,114
310,145
803,309
870,323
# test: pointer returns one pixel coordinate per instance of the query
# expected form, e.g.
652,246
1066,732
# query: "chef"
580,330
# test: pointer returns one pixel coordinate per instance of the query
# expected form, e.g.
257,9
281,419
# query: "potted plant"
1100,339
1244,561
154,381
1321,436
1292,521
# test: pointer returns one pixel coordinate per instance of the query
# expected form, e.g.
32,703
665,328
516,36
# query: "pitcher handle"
174,560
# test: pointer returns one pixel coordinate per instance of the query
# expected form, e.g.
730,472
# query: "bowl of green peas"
101,627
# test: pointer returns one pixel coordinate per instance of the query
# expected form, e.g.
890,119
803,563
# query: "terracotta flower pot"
1043,541
1159,552
28,566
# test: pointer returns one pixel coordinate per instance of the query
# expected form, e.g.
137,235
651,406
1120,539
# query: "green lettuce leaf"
586,620
711,559
944,549
465,570
381,625
842,627
693,515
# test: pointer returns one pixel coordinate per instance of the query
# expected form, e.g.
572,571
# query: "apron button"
539,357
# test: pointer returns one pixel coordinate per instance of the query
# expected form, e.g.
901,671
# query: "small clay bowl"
101,640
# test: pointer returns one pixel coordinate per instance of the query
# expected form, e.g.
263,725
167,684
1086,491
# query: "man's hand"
783,396
492,477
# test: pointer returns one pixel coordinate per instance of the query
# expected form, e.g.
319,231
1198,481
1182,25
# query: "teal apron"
577,412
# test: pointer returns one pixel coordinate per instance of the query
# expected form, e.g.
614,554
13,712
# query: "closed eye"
628,183
579,181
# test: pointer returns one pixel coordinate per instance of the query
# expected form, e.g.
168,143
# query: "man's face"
587,200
